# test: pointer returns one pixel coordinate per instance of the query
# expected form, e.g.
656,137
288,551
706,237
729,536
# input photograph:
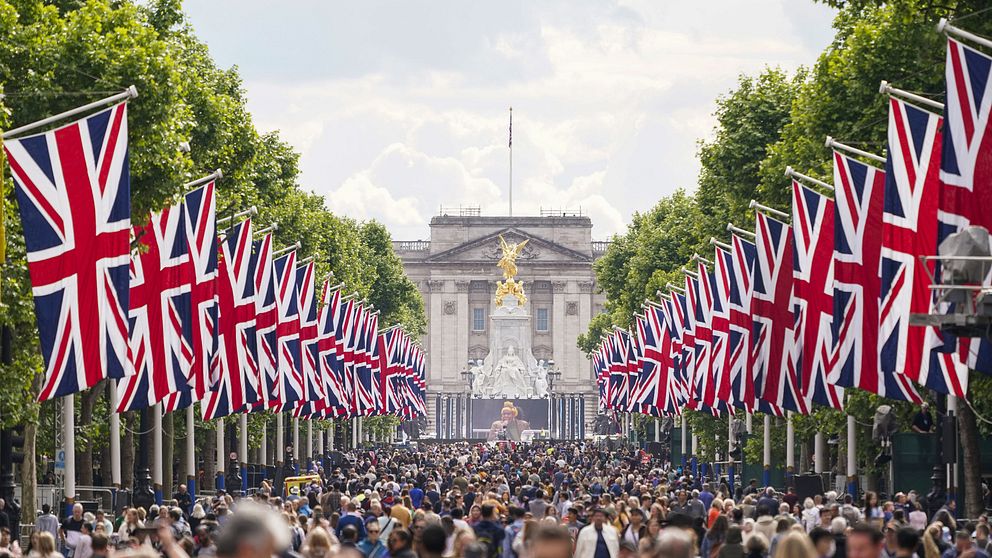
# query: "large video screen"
485,411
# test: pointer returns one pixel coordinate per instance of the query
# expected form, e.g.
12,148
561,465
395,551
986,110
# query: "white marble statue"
510,375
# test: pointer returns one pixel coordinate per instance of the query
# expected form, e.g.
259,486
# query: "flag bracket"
831,143
944,26
130,93
791,173
295,246
735,229
251,211
216,175
765,209
886,89
724,245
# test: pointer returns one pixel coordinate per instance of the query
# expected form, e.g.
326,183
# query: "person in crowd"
47,522
43,546
598,539
964,547
922,420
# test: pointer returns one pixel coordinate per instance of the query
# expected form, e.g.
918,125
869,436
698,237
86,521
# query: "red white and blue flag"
813,294
966,168
910,230
723,265
237,387
336,398
313,385
857,282
201,242
160,314
291,391
776,383
73,191
741,273
266,318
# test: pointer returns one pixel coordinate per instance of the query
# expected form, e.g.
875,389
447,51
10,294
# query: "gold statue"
508,263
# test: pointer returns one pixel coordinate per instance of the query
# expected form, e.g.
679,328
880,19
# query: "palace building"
457,275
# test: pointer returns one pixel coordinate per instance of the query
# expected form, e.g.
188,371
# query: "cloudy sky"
400,107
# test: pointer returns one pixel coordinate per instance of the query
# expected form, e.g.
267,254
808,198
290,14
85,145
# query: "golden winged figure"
508,263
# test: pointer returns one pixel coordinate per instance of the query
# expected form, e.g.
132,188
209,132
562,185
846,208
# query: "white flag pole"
129,93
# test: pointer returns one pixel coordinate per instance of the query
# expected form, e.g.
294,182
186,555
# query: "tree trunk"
971,457
181,472
209,462
84,451
168,452
127,450
29,473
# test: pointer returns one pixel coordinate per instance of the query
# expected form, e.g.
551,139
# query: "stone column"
558,325
584,371
464,326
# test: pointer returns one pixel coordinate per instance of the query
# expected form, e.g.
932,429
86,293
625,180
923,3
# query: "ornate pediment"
486,250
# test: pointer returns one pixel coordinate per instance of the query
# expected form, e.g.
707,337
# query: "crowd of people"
506,500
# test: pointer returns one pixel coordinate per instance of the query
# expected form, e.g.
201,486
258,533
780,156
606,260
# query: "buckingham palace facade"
457,276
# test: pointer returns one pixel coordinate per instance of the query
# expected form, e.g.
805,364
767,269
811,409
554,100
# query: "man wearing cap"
599,539
923,422
963,544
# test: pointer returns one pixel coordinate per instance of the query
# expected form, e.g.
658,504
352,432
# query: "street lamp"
553,375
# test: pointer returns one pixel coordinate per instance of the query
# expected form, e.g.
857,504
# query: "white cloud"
398,110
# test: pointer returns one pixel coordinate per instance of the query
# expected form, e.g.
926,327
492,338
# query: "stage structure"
525,378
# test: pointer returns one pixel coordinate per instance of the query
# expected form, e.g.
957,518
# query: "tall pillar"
264,449
156,411
819,453
221,456
115,438
330,437
296,442
243,453
852,457
730,458
191,471
69,448
685,442
309,455
790,449
952,468
767,451
280,439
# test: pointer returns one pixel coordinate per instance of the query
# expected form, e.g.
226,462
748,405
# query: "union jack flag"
290,360
266,318
857,282
701,335
910,230
602,371
686,308
237,387
336,401
740,277
363,400
73,191
344,351
390,371
619,388
313,385
201,241
813,294
675,316
966,168
370,363
775,381
723,343
161,274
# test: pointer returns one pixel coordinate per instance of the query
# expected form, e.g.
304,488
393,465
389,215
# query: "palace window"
478,319
542,319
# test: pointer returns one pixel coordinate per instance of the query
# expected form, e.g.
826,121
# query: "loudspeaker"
807,486
950,440
656,449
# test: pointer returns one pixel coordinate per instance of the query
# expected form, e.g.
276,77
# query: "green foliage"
57,56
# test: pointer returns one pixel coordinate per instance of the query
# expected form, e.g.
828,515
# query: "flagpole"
790,449
220,453
115,439
296,437
280,440
945,26
191,452
264,449
156,411
766,437
129,93
511,161
69,450
243,453
216,175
